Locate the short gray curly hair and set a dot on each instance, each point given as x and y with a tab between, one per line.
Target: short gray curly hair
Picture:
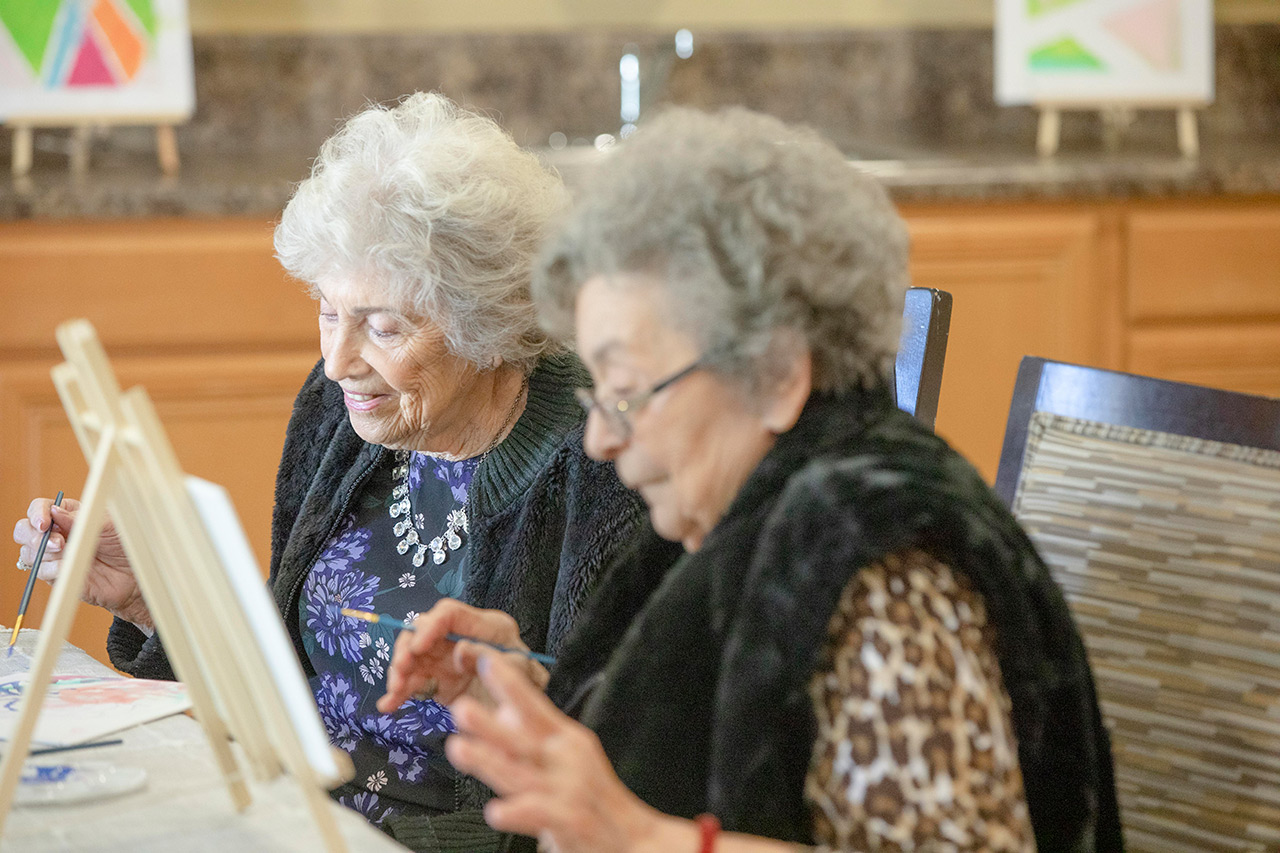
754	227
440	205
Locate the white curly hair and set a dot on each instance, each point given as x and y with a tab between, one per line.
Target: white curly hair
438	204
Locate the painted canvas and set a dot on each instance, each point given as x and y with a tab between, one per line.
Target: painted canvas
109	60
80	708
1104	51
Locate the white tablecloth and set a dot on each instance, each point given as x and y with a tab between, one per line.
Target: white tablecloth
184	806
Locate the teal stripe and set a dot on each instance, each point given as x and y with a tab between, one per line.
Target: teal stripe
72	27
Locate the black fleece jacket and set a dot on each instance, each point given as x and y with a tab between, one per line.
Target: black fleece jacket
545	518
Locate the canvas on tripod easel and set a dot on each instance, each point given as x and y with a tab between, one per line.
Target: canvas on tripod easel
197	574
1116	57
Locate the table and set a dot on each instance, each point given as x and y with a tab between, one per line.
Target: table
184	806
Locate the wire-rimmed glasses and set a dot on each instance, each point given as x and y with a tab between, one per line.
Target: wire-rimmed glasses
617	414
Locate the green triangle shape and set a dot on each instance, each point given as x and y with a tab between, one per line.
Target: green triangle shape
146	14
29	23
1064	55
1035	8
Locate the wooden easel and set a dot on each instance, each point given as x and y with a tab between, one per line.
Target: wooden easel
24	139
1116	117
238	689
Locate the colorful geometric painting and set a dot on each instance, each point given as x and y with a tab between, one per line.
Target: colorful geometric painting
1104	51
95	58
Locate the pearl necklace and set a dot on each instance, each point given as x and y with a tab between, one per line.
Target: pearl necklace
456	523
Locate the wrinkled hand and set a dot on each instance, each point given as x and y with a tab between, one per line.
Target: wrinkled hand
110	583
552	777
425	661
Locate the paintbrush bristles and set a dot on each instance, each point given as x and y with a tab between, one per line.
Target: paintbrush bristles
359	614
13	638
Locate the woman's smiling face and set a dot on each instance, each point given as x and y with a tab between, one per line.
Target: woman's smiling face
402	385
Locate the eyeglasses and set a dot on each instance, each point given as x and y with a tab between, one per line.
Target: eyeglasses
617	414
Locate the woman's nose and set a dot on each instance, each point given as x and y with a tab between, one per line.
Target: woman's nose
341	361
601	441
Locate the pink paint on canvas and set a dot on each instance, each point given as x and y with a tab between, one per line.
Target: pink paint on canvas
90	69
80	708
1152	31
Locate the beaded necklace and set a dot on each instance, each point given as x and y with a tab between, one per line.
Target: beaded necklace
456	523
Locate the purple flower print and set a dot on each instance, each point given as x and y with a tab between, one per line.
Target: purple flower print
337	703
407	764
350	546
368	804
399	735
417	464
458	475
330	586
423	716
381	728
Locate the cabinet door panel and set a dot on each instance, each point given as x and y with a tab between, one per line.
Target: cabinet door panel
150	283
1024	282
1240	357
1204	262
225	415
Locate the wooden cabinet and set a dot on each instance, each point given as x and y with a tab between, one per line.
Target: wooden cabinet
1023	281
1204	294
197	312
1185	290
201	314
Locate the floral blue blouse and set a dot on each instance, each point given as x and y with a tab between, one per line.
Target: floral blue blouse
399	758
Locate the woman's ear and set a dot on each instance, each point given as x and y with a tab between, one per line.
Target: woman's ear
791	375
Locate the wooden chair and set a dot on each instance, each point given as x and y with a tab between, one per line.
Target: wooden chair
917	373
1157	507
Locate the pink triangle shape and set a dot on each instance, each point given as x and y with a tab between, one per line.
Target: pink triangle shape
1151	30
90	69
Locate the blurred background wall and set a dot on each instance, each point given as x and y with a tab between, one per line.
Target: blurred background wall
353	16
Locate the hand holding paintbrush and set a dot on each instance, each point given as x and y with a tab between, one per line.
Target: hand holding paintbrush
31	579
109	584
451	636
438	657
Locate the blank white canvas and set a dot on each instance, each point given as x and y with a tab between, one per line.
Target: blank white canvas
218	514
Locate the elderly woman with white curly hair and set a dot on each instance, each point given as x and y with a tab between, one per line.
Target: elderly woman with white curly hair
435	451
860	649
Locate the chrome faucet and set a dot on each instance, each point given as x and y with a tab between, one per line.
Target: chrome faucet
629	77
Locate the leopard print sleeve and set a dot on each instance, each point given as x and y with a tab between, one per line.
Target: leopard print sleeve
915	749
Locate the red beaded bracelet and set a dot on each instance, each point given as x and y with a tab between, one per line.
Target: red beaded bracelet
709	826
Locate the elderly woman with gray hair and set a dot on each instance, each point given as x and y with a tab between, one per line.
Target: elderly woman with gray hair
434	452
860	649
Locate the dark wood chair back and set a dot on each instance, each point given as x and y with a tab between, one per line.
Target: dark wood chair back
917	372
1156	506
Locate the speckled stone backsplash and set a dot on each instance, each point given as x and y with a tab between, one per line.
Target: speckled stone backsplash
915	106
864	89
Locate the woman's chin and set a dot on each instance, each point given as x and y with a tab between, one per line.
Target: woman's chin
369	429
674	527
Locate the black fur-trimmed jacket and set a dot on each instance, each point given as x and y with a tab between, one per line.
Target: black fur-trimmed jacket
695	678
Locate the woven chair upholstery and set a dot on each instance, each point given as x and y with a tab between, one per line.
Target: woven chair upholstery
1168	549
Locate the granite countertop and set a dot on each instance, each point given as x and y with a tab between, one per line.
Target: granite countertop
122	184
914	106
